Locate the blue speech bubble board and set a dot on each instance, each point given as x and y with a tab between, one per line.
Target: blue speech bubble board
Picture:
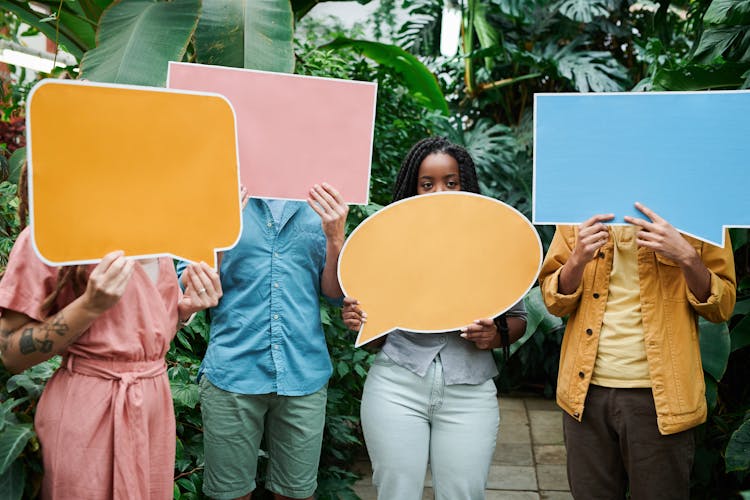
685	155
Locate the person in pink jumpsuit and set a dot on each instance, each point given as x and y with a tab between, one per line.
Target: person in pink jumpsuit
105	419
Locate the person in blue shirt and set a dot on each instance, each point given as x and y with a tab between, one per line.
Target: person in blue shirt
266	369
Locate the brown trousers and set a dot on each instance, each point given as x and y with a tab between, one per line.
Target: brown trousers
617	445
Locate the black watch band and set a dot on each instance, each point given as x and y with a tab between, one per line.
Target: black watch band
501	322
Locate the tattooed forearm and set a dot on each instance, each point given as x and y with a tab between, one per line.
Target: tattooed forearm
42	343
26	344
56	325
4	339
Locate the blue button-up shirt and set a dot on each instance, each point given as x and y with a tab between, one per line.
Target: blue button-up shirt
266	334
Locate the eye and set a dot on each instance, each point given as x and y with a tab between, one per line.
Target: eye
426	186
452	184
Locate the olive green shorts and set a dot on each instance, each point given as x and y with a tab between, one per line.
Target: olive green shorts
233	425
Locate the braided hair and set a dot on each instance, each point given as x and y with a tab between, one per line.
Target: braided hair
406	181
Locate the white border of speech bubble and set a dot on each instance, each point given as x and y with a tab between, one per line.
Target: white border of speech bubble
30	169
445	193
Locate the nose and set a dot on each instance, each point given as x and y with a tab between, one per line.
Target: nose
439	188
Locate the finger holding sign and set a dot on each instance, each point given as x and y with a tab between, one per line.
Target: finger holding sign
202	290
107	282
483	333
661	237
328	203
352	315
244	196
592	235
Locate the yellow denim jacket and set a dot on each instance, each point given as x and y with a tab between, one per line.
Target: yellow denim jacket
670	324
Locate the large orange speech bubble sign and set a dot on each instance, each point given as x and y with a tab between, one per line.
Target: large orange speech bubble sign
144	170
437	262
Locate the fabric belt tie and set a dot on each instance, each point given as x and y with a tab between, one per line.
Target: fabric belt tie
131	461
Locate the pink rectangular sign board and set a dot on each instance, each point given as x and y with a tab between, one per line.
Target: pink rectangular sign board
293	131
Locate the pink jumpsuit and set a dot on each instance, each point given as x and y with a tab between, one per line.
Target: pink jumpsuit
105	419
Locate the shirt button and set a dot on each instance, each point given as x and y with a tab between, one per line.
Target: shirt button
276	285
596	295
276	254
275	347
275	316
581	374
589	331
601	255
576	414
269	224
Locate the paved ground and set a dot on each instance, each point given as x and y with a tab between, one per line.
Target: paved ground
529	461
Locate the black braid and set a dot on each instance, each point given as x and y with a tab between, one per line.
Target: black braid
406	181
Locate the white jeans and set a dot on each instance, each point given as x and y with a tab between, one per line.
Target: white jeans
409	419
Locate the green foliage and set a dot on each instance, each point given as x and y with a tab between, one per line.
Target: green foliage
9	223
133	46
75	37
418	78
20	458
535	356
255	34
715	346
183	360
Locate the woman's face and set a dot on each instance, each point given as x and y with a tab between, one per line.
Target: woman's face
438	172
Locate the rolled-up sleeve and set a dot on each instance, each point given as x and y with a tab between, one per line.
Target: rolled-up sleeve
720	263
558	254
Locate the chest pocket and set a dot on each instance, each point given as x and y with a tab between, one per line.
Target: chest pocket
672	281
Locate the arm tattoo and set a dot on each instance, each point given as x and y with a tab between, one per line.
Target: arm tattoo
4	339
26	344
56	325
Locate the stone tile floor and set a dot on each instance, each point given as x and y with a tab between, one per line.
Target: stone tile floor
529	460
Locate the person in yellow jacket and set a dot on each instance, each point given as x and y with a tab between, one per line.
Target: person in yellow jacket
630	378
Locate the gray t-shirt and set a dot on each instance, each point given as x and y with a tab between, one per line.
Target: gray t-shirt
462	362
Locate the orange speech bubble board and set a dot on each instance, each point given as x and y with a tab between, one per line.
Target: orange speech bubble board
437	262
144	170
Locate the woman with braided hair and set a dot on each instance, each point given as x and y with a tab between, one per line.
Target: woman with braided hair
105	420
432	397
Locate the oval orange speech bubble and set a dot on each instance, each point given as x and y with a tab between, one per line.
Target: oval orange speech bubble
437	262
145	170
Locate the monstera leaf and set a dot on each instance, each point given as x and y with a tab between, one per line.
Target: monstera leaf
582	11
591	71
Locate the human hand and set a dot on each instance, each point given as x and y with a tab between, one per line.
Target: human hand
592	235
330	206
661	237
107	282
244	196
483	332
352	315
202	289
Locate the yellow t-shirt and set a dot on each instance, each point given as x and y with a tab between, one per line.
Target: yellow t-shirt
621	357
